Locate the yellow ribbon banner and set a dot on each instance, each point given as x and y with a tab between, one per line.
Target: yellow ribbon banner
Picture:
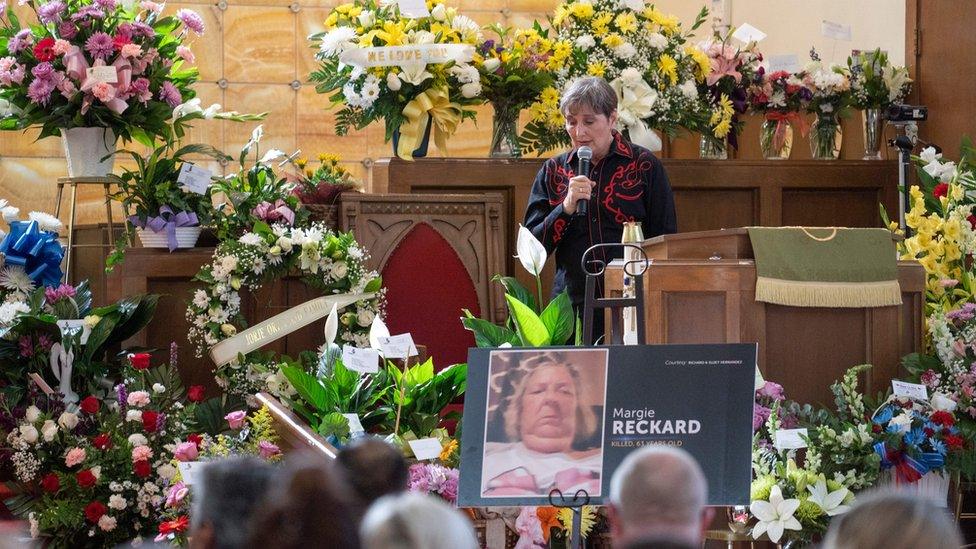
417	54
280	325
432	104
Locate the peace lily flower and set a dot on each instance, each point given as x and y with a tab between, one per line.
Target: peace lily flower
377	330
831	502
332	326
531	252
775	515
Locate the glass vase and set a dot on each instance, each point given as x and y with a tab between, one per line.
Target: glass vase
504	131
826	137
873	120
713	148
776	139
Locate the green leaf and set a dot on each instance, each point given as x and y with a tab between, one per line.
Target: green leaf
515	288
558	318
487	334
310	388
373	285
334	424
528	324
208	417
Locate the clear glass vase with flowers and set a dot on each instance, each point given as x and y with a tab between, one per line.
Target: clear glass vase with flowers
781	97
731	70
830	100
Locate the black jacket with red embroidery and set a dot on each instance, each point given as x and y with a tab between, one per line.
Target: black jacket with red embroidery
631	185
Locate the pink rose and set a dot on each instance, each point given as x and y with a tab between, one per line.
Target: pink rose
74	457
176	494
186	451
236	419
268	450
141	453
138	399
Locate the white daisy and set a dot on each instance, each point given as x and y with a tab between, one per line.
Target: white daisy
15	278
200	299
337	41
251	239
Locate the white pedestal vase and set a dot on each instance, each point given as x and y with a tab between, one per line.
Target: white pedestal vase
86	150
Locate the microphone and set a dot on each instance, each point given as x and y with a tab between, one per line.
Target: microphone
585	154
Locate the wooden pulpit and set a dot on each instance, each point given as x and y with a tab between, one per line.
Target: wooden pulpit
700	288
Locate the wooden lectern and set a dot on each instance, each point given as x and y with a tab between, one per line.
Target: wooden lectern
700	288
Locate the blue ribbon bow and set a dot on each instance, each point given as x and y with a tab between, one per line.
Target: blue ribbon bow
167	220
38	252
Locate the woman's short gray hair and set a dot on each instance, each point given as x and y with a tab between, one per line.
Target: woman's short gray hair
590	91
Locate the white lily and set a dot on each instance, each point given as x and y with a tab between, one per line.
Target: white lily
332	326
775	516
414	73
929	155
377	330
531	252
831	502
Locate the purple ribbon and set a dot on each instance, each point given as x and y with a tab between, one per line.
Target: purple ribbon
167	220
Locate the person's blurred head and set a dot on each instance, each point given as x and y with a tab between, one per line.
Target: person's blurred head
545	410
307	507
225	501
589	106
416	521
890	520
372	468
659	491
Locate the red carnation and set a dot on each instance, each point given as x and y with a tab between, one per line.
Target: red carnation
150	421
195	393
940	190
102	441
50	483
954	442
972	221
139	361
85	478
141	468
943	418
195	439
120	40
928	431
44	50
94	511
90	405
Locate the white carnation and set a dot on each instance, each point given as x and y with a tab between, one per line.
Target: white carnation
585	42
337	41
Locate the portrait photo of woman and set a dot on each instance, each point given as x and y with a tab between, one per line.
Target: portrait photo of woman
544	428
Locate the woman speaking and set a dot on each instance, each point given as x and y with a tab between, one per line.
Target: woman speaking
569	211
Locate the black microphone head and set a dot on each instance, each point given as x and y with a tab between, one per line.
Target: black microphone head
585	153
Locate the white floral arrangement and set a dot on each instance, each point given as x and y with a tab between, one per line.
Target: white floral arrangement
646	57
330	262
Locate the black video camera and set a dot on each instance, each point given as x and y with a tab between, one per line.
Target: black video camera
906	113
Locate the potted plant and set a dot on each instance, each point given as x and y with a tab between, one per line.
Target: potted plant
320	189
167	202
414	99
93	72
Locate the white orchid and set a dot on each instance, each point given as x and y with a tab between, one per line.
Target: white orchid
531	252
830	502
775	516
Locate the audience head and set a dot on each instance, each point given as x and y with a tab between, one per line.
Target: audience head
225	501
306	507
372	468
659	492
893	520
416	521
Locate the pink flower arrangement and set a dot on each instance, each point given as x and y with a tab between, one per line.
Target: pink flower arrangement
432	478
49	65
138	399
236	419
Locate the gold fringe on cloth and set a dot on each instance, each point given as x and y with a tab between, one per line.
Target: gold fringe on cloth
827	294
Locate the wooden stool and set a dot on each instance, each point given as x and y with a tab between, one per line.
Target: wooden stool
730	538
74	182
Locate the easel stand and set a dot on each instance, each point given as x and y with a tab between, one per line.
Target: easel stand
580	498
74	182
635	264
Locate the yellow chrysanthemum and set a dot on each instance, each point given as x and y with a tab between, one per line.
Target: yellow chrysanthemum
668	67
561	13
702	64
669	24
550	95
612	40
626	22
331	20
596	69
582	10
956	192
587	519
601	22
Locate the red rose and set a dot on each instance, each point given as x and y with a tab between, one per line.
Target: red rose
120	40
943	418
940	190
195	439
50	483
85	478
141	468
139	361
954	442
150	421
44	50
102	441
195	393
94	511
90	405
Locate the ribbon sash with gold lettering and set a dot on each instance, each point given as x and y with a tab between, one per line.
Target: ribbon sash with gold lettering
280	325
416	54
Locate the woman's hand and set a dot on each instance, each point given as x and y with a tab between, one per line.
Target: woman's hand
580	188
